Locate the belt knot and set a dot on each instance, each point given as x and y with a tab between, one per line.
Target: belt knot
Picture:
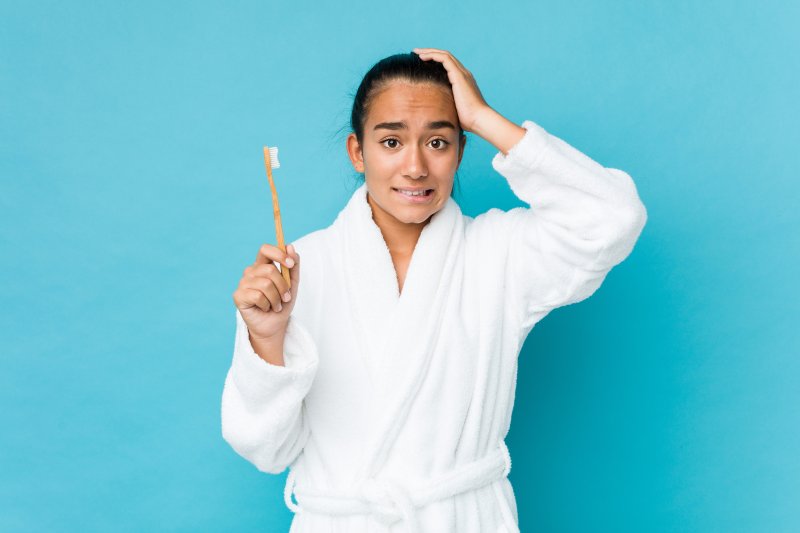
389	501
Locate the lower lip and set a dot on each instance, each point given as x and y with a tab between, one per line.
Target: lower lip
422	199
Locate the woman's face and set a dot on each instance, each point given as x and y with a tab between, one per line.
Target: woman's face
411	142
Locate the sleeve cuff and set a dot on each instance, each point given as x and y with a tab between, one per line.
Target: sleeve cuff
526	154
256	377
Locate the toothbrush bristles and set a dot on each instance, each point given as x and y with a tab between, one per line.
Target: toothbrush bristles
273	157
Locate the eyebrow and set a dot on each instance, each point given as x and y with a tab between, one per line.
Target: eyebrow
435	125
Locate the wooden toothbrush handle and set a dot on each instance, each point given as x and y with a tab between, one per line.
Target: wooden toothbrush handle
276	211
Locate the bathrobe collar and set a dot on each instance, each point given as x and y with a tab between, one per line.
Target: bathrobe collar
397	332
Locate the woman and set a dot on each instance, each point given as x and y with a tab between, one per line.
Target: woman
388	386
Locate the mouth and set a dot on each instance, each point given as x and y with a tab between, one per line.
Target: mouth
414	192
417	196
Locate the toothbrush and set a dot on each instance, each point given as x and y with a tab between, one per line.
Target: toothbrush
271	161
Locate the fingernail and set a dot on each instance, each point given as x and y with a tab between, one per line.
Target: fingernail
287	296
290	262
279	308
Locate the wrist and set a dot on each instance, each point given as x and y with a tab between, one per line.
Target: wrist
498	130
270	349
484	118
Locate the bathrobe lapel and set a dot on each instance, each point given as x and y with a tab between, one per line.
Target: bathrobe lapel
397	333
371	287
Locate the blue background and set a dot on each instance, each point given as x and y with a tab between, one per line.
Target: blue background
133	196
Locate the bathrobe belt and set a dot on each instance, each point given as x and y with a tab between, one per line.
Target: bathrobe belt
389	501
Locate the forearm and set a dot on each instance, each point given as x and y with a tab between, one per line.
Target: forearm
497	130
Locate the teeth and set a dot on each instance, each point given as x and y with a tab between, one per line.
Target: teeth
409	193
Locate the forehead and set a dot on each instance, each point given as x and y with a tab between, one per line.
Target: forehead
402	100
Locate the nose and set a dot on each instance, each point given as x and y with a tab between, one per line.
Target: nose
414	164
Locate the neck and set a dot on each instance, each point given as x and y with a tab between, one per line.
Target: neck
400	237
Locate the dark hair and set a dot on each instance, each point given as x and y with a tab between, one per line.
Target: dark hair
406	67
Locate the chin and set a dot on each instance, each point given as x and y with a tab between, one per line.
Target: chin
417	220
414	215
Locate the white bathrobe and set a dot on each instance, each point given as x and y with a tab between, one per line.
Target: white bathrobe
392	409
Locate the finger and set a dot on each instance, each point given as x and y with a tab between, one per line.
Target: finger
268	253
449	62
428	50
271	273
251	297
444	52
266	285
433	51
435	54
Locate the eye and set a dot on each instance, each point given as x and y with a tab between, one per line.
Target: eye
390	139
442	143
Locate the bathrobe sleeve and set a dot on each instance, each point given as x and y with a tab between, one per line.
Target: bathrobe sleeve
583	220
263	416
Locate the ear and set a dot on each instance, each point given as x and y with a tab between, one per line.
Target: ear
355	153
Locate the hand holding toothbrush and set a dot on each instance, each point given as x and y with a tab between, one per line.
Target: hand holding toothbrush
266	295
263	297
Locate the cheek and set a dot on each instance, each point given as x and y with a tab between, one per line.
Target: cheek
448	161
377	164
447	166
